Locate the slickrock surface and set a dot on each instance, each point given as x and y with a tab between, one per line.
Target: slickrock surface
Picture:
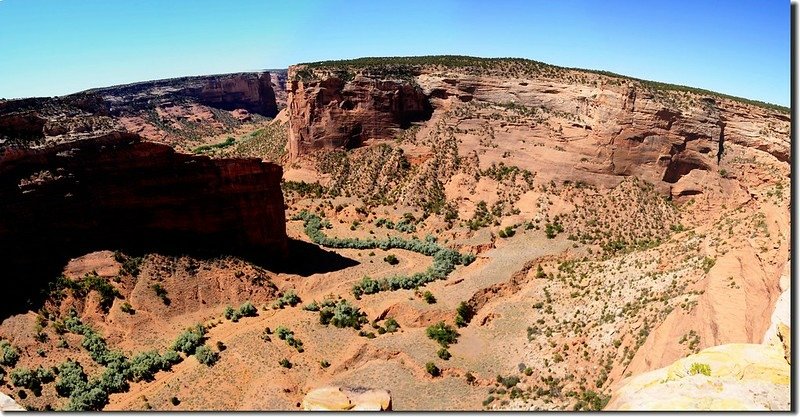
347	398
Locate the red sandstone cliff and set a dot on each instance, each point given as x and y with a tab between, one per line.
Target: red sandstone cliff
335	113
169	111
608	126
119	192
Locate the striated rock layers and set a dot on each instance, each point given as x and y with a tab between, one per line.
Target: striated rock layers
602	126
170	111
119	192
335	113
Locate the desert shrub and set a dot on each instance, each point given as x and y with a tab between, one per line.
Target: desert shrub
126	307
343	314
464	314
188	341
130	264
470	378
288	298
145	365
391	259
31	379
8	354
161	292
592	401
206	356
508	381
442	333
700	368
248	310
115	377
71	378
285	363
444	259
231	314
553	229
221	345
92	398
391	325
175	401
432	369
443	354
324	364
428	297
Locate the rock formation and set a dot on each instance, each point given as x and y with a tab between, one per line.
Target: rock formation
8	404
347	398
338	113
731	377
117	191
170	111
613	126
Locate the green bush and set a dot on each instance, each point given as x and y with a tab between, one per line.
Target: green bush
391	260
231	314
509	381
31	379
71	378
391	325
206	356
8	354
432	369
444	259
324	364
342	314
700	368
464	314
428	297
126	307
188	341
442	333
285	363
145	365
288	298
161	292
248	310
443	354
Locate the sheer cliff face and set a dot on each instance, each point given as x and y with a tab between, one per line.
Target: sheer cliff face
169	111
119	192
607	127
334	113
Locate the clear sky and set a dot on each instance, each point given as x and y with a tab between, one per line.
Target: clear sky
55	47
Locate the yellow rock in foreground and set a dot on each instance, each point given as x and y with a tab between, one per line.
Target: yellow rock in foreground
347	398
735	376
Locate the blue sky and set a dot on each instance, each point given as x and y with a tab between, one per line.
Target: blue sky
54	47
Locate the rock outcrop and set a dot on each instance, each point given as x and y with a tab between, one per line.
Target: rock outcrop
119	192
607	126
169	111
337	113
8	404
347	398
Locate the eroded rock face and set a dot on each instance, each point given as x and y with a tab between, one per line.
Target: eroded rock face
727	377
608	127
334	113
168	110
117	191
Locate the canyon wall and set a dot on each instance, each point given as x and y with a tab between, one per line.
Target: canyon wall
609	126
337	113
174	111
117	191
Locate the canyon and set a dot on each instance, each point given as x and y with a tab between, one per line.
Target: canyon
589	233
